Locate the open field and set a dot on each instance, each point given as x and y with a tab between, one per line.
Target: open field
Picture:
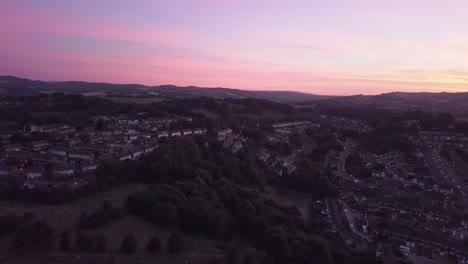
65	216
136	100
94	94
290	198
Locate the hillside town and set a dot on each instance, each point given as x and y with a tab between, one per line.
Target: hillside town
400	204
66	156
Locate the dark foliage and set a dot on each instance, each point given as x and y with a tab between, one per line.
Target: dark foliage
65	241
175	243
154	244
36	234
129	244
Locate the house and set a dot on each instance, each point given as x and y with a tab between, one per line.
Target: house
44	158
9	171
65	170
51	128
13	147
40	145
128	121
145	135
224	134
5	137
72	142
19	156
446	189
61	152
137	152
125	156
89	167
95	139
199	131
149	148
96	148
132	137
162	134
81	155
187	132
35	173
4	171
176	133
107	134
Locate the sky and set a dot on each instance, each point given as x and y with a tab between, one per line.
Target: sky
334	47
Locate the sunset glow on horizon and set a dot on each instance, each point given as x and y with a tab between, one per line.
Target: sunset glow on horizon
316	46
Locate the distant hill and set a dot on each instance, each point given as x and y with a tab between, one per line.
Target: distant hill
456	103
19	86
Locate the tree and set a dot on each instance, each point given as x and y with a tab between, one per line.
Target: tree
85	241
35	234
444	120
169	214
64	241
101	244
154	244
106	206
83	221
175	243
129	244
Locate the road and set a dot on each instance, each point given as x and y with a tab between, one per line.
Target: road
348	148
352	221
348	236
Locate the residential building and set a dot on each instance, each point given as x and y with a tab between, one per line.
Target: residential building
96	139
96	148
128	121
199	131
176	133
187	132
12	147
35	173
72	142
137	152
4	171
19	156
125	156
89	167
44	158
149	148
40	145
224	134
61	152
65	170
162	134
85	155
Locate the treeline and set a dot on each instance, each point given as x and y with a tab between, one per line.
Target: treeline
309	177
356	166
188	158
27	232
202	188
99	218
222	209
77	109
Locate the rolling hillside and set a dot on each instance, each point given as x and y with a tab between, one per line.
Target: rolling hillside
19	86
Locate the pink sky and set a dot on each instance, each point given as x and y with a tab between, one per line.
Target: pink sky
316	46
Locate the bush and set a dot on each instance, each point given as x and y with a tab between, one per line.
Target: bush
36	234
101	242
154	244
129	244
64	241
175	243
85	241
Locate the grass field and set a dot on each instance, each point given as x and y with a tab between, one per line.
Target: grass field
100	94
136	100
65	216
